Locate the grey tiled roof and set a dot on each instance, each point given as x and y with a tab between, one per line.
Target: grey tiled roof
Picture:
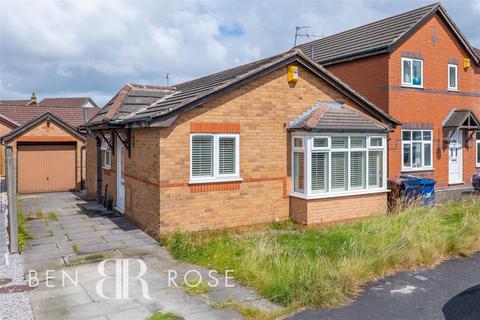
376	37
457	119
195	89
330	116
136	106
137	98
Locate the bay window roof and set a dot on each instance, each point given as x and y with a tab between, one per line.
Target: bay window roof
332	116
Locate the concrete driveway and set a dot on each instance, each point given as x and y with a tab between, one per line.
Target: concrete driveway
411	296
71	235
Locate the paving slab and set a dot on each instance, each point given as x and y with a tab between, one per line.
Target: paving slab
100	235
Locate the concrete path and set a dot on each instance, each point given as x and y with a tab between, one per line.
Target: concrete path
72	235
405	296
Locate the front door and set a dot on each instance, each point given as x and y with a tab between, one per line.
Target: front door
120	179
455	165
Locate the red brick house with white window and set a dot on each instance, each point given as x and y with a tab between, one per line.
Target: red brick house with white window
420	69
274	138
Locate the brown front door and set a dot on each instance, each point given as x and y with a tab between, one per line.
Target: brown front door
45	167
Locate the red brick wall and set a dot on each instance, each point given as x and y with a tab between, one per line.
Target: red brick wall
369	76
329	210
429	105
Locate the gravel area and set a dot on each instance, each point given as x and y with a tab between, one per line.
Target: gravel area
14	305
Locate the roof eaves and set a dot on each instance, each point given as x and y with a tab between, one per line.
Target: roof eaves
443	13
32	123
349	92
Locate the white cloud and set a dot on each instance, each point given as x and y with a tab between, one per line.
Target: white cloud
67	47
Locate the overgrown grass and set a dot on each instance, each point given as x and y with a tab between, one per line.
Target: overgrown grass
326	267
247	312
23	234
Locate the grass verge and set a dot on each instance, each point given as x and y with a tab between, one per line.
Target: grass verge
326	267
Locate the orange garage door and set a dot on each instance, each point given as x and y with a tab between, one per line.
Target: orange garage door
46	167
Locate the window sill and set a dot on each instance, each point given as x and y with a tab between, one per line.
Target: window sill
453	90
338	194
106	168
220	180
406	86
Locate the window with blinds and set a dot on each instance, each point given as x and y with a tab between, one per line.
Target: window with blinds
226	157
357	169
375	168
338	164
319	171
214	157
339	170
202	156
299	171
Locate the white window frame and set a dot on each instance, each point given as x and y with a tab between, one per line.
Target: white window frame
410	84
217	177
478	149
423	142
106	149
308	149
450	65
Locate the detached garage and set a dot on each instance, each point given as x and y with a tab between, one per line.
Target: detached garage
50	155
46	167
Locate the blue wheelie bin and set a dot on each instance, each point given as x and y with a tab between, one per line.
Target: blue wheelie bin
419	188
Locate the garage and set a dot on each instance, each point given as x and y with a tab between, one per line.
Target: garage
44	167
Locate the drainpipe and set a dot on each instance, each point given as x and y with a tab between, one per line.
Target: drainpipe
82	178
99	170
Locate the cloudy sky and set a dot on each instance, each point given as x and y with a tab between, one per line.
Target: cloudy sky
91	48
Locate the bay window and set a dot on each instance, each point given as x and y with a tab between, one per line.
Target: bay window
214	157
417	151
412	72
337	164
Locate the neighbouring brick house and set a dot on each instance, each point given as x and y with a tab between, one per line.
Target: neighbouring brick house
48	146
240	147
420	69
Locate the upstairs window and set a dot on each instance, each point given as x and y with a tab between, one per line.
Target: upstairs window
452	77
412	72
214	157
417	149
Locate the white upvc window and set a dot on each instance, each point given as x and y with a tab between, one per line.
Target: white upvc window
412	72
417	150
452	77
107	154
214	157
337	164
478	148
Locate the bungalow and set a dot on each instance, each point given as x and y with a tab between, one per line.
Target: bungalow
48	146
276	138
